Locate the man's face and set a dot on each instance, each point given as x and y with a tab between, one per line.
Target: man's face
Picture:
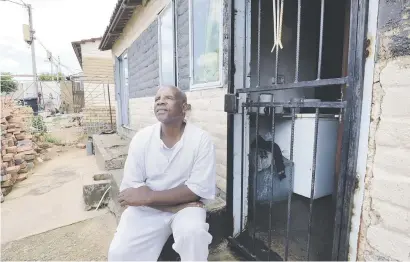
169	106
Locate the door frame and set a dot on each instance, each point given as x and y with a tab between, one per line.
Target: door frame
239	67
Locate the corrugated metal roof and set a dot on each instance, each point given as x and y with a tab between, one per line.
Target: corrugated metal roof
119	19
77	47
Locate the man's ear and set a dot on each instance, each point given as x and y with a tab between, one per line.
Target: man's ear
186	107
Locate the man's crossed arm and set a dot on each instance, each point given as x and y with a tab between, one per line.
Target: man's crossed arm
171	200
201	180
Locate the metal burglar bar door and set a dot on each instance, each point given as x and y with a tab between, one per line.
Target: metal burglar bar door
257	231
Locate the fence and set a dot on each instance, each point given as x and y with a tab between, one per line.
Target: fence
88	102
99	105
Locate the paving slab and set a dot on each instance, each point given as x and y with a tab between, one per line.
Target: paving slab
49	198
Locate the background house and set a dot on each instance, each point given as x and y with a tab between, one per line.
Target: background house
95	85
336	49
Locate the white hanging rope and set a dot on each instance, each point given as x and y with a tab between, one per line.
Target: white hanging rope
277	23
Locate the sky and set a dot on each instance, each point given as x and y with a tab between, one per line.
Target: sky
57	23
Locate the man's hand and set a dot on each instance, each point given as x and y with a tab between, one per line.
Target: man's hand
135	196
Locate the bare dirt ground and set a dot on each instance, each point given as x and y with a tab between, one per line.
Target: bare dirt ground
43	218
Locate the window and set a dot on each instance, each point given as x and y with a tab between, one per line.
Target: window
166	46
124	69
206	43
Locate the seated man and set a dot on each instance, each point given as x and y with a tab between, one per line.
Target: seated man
168	174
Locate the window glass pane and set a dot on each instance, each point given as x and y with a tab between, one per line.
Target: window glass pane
125	69
206	21
167	47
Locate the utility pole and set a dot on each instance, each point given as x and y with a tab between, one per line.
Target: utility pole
33	50
59	69
50	59
30	40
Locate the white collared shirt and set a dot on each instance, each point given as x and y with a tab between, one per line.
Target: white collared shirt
191	161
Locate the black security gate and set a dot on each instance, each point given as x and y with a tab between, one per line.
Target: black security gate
288	210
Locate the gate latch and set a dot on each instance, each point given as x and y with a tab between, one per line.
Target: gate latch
231	104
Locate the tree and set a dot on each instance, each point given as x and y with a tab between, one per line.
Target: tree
8	84
49	77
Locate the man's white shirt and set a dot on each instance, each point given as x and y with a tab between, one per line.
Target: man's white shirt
191	161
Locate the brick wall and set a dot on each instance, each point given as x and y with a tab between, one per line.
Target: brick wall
143	65
385	225
96	69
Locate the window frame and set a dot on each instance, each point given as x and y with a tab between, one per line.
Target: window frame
122	87
206	85
170	6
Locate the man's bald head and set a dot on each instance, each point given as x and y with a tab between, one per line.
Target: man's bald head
170	104
179	94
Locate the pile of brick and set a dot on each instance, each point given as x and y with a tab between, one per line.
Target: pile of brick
18	151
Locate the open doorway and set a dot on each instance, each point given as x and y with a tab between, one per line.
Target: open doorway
292	116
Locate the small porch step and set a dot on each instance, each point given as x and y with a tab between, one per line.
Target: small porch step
110	150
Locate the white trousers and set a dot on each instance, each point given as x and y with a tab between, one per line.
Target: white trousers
143	231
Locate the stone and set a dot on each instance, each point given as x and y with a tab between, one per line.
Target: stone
29	157
20	136
7	183
3	120
25	142
17	132
15	120
12	170
3	127
11	125
39	160
18	156
18	161
4	165
8	157
6	113
11	149
46	157
30	165
80	145
6	177
29	152
22	176
3	152
9	135
28	137
44	145
24	148
6	190
11	130
10	142
23	164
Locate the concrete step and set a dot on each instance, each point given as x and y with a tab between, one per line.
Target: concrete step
96	188
110	151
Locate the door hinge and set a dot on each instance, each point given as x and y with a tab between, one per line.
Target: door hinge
367	43
231	104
